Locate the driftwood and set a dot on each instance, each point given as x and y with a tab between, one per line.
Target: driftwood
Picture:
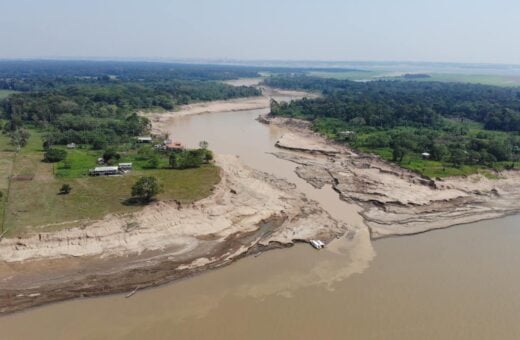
131	293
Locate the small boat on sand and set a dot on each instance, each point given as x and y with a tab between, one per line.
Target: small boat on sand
317	244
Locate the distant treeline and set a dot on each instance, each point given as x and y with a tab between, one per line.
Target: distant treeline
45	74
32	75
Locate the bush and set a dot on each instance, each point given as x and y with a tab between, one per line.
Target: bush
111	155
187	159
145	152
146	188
55	155
65	189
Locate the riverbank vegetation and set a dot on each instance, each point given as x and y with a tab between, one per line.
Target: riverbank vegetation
437	129
58	120
31	187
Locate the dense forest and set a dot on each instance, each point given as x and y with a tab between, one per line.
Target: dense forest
456	124
45	74
96	103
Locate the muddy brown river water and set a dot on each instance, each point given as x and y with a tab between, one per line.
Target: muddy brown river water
459	283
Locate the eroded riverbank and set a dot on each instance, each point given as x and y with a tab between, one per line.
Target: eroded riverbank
395	201
250	211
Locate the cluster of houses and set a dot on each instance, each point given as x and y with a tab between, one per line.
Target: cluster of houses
167	145
122	168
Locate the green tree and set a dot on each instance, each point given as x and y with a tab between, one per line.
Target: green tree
53	155
99	142
439	152
146	188
19	138
208	156
111	155
398	153
458	157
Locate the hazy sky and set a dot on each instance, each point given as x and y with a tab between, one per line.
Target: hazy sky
405	30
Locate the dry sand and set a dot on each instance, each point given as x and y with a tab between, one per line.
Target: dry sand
160	120
249	211
396	201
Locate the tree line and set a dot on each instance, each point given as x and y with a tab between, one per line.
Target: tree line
454	123
103	113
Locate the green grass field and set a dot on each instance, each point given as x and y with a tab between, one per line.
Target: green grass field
79	161
485	79
37	202
347	75
435	169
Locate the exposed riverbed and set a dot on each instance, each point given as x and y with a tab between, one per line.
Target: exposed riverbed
458	283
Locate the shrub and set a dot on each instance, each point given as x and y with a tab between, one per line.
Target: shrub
55	155
65	189
187	159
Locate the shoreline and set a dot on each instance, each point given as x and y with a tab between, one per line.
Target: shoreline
249	212
160	119
395	201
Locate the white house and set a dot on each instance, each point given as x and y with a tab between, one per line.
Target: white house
104	171
144	139
125	166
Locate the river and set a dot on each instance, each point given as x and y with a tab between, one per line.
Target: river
460	283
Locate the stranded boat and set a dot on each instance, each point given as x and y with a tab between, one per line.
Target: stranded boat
317	244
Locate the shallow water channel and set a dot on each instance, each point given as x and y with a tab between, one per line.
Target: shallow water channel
459	283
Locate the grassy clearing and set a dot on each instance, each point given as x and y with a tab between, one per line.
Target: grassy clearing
6	93
413	160
7	155
79	161
436	169
36	202
352	75
484	79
